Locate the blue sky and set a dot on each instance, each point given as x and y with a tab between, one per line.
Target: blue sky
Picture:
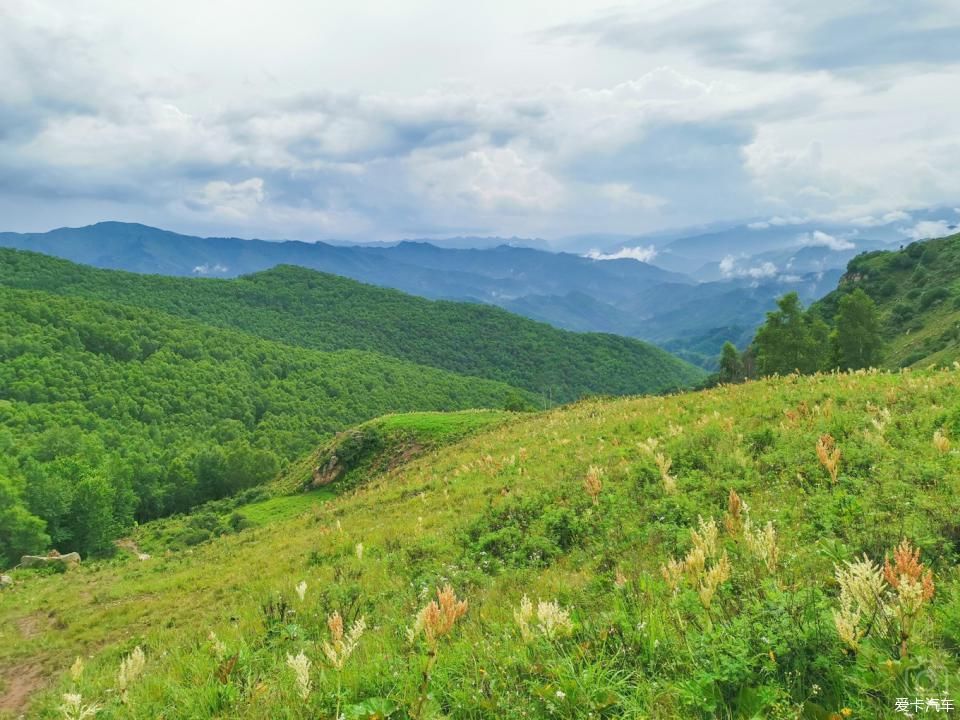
373	120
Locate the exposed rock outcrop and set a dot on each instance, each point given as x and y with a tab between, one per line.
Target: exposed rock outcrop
34	561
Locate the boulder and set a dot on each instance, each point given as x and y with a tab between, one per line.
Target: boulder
33	561
5	581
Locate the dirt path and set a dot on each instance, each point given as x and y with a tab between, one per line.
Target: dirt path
20	682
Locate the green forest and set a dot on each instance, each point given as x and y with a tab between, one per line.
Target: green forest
326	312
112	414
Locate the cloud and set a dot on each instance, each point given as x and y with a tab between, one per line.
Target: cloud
207	269
755	112
778	35
231	201
640	253
818	238
929	229
775	221
884	219
729	269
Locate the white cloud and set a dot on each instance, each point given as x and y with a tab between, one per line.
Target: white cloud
207	269
730	269
764	270
643	254
231	201
928	229
885	219
730	115
818	238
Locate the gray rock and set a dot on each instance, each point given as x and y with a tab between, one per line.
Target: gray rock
33	561
6	581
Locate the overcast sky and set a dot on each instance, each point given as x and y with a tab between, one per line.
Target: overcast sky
376	120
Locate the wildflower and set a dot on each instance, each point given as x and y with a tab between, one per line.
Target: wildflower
300	664
219	647
762	544
664	464
649	445
552	620
593	483
706	537
74	709
695	562
941	442
913	584
829	455
673	573
736	508
712	579
342	645
908	570
847	622
301	589
523	615
438	617
861	597
131	667
76	670
359	551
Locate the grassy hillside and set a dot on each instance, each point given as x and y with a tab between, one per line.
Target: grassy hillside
674	598
326	312
917	291
110	413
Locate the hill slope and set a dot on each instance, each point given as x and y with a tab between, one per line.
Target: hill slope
917	290
149	414
326	312
576	505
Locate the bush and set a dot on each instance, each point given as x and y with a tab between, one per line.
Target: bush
932	296
524	533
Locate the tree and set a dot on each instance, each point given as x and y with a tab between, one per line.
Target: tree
856	338
731	366
789	340
21	533
92	516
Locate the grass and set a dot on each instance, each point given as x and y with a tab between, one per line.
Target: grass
504	513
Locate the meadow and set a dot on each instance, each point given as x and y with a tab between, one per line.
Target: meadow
785	548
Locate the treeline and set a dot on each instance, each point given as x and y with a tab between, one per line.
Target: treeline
326	312
797	340
891	309
111	414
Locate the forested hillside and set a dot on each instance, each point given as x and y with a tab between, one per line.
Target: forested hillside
890	309
327	312
110	414
917	294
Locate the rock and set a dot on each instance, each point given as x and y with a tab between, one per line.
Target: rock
6	581
33	561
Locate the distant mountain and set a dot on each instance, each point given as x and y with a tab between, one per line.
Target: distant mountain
302	307
493	275
694	287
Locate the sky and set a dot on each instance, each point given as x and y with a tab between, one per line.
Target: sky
313	120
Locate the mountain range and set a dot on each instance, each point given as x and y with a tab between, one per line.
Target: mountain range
685	292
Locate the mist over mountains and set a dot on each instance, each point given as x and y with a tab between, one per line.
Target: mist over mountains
686	292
